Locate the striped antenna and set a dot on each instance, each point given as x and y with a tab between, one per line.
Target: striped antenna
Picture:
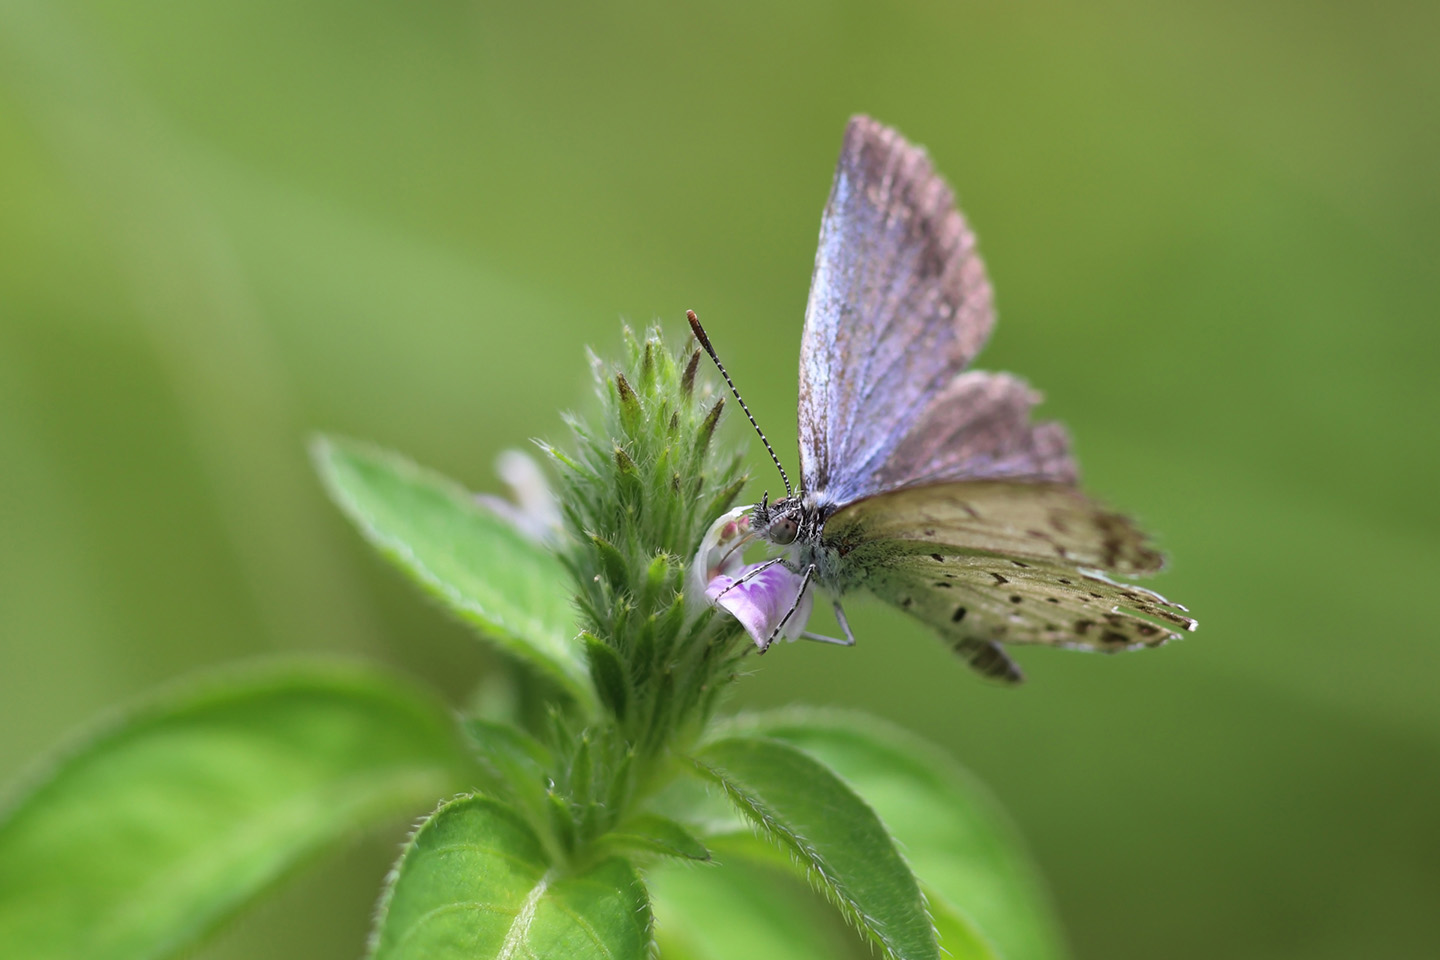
699	332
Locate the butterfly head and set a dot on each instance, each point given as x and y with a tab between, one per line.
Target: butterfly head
785	521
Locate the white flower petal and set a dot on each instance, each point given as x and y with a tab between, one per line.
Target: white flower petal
721	552
535	512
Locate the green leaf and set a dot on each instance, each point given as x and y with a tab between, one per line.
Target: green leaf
475	883
512	765
484	569
609	675
168	820
656	834
802	806
958	935
741	911
959	938
969	857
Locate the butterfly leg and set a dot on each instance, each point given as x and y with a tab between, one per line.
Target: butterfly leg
849	639
747	578
821	638
799	595
844	624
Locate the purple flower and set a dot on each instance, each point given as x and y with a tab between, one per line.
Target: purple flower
760	598
759	595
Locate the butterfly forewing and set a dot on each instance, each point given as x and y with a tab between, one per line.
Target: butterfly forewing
1042	522
899	304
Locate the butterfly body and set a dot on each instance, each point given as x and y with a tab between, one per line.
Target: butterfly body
927	483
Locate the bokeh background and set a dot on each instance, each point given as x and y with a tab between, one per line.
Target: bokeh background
1214	229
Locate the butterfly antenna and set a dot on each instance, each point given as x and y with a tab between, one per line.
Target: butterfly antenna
699	332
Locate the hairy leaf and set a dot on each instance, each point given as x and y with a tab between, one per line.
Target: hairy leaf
169	819
959	938
483	568
659	835
740	911
475	884
512	765
801	805
967	855
958	935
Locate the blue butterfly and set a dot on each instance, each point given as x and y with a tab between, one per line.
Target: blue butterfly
924	482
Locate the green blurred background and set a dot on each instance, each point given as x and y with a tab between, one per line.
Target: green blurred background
1213	227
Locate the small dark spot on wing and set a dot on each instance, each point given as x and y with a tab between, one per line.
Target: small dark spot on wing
1015	598
998	578
958	615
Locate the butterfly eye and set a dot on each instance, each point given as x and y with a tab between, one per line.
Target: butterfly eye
783	531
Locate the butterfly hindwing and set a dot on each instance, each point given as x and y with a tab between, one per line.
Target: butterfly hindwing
975	601
899	304
1039	522
978	428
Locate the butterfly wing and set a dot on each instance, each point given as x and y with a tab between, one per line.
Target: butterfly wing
1041	522
978	428
899	304
976	602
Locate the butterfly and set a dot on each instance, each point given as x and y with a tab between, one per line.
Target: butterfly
922	481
